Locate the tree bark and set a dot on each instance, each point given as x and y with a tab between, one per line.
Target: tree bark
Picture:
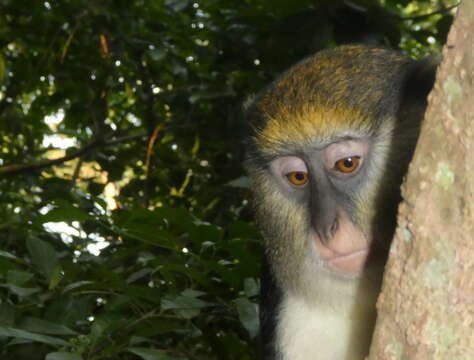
426	308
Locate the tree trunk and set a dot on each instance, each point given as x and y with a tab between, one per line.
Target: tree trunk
426	308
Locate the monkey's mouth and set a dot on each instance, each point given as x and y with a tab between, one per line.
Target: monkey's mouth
350	264
346	252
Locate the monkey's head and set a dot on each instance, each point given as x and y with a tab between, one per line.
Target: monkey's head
331	140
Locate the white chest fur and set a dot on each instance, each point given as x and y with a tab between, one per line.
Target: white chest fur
341	330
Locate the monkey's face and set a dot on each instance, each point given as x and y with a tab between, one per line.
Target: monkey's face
326	182
326	206
329	150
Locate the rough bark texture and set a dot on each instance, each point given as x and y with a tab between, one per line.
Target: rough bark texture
426	309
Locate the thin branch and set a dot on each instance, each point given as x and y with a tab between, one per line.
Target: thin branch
22	168
394	14
153	126
440	11
77	171
124	139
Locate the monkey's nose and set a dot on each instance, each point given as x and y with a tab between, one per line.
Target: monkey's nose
327	229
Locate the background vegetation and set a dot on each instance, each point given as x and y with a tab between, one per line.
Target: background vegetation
125	225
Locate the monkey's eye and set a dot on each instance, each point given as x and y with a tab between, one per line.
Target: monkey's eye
297	178
347	165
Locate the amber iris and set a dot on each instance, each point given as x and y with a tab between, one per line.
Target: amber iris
298	178
347	165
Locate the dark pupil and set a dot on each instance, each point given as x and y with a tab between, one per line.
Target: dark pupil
299	176
348	163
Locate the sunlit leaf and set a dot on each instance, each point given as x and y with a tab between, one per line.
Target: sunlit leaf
64	211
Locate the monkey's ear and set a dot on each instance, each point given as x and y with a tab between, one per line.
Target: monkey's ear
420	79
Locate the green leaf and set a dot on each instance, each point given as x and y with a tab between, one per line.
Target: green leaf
251	287
248	315
45	327
107	323
26	335
8	255
63	356
193	293
55	277
44	257
177	5
150	354
18	277
186	305
21	291
157	54
76	285
241	182
70	310
207	232
64	211
7	314
137	275
243	230
200	96
147	235
183	302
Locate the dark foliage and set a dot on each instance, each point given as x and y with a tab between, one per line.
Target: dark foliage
125	225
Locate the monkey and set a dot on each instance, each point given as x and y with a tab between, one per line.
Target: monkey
329	143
